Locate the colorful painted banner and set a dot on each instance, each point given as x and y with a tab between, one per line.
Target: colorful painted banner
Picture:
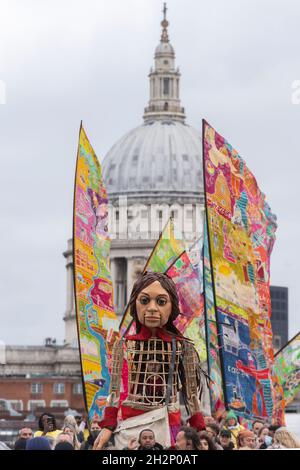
96	320
241	234
165	252
191	302
287	369
212	341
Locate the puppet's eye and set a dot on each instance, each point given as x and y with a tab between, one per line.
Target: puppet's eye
161	301
144	300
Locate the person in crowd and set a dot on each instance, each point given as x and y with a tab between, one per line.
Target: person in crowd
48	428
208	419
65	437
272	429
20	444
82	423
38	443
64	446
256	426
93	434
71	420
25	433
284	439
145	441
187	439
246	440
206	443
231	423
264	439
225	439
71	430
212	431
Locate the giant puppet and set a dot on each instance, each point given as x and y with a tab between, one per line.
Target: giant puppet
160	360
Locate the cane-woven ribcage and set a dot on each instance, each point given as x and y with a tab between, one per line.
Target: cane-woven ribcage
148	368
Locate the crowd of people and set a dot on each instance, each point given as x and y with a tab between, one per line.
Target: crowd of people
226	434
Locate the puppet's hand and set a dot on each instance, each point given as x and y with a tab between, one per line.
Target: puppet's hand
102	439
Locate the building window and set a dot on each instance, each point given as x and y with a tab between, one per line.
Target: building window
59	388
33	404
166	86
17	405
277	342
77	389
59	403
36	388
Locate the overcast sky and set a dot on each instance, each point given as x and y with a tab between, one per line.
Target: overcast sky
67	60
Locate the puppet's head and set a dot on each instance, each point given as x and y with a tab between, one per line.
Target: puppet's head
154	302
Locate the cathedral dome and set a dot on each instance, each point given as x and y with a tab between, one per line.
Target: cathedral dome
160	156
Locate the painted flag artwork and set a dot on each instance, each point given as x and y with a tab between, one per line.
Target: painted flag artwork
97	322
213	351
191	302
241	234
165	252
287	369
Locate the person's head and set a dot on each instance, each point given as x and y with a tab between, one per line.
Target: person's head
231	419
20	443
147	439
70	420
78	419
225	437
95	426
154	302
247	439
25	433
38	443
63	446
272	429
64	437
206	442
47	422
187	439
69	429
209	420
212	430
286	438
263	432
256	426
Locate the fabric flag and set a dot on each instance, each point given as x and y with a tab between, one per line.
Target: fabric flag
97	322
212	341
241	234
287	369
191	302
166	250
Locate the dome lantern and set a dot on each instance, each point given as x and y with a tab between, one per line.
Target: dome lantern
164	81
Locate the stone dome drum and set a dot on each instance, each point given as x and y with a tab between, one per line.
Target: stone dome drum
160	156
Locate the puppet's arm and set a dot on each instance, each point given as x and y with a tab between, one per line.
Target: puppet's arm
109	420
191	364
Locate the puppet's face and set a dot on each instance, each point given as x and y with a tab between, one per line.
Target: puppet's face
153	306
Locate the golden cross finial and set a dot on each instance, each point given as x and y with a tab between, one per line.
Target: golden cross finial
165	24
165	11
